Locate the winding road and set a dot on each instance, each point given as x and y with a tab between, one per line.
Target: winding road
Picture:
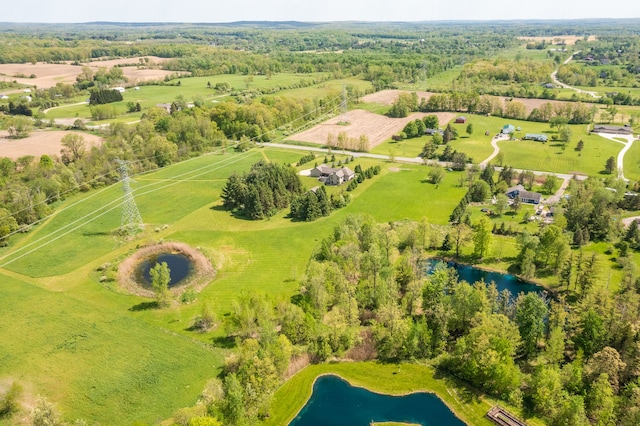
627	146
554	77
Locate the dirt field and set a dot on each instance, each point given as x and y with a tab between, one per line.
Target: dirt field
569	40
377	128
39	143
48	75
387	97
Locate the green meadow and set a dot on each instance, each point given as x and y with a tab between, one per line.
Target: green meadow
101	354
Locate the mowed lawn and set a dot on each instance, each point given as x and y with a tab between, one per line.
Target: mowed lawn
632	162
130	363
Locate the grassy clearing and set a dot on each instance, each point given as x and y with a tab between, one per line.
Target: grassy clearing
385	378
132	363
632	162
193	87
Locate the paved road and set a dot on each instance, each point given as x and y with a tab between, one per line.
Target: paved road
496	149
627	146
554	77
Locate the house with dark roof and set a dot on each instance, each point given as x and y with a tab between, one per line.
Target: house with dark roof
431	132
332	176
616	130
525	196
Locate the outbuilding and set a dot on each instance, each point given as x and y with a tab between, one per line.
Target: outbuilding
461	120
507	129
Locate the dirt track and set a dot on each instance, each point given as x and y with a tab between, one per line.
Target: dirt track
39	143
378	128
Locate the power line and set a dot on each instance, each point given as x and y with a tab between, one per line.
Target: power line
131	221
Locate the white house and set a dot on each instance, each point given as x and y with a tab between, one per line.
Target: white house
119	89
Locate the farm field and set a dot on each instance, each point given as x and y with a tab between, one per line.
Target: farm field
48	75
193	87
39	143
95	319
377	128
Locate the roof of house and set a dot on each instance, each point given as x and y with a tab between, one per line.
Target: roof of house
518	188
611	129
536	136
528	195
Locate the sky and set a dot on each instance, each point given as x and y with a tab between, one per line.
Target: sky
63	11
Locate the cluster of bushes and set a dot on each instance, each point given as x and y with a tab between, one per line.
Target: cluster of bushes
362	175
19	109
265	190
317	203
104	96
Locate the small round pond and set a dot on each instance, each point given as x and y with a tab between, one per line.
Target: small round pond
180	266
471	275
335	402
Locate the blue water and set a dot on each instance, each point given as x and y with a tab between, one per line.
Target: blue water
179	268
503	281
335	402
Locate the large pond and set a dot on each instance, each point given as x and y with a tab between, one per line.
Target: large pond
503	281
335	402
180	266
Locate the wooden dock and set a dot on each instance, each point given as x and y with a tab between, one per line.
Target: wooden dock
502	417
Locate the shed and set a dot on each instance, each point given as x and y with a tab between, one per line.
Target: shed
507	129
461	120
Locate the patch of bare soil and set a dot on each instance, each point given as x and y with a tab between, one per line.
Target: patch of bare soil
377	128
569	40
388	97
39	143
48	75
204	271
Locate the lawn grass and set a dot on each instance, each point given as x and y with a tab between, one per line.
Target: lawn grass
632	162
392	379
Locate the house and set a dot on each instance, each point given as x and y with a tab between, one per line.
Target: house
431	132
507	129
4	97
166	107
461	120
548	86
616	130
119	89
536	137
331	176
525	196
27	90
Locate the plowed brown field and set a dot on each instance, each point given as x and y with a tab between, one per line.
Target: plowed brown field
378	128
39	143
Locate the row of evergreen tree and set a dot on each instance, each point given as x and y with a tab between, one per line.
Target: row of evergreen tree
104	96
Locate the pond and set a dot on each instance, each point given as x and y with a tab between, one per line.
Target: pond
503	281
335	402
180	266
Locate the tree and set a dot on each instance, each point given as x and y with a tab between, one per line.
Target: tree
469	129
18	127
502	203
482	237
550	184
10	401
580	145
610	165
480	191
516	204
74	147
45	414
600	402
431	121
461	235
160	278
436	174
531	313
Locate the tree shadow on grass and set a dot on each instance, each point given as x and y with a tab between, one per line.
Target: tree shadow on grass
467	393
144	306
225	342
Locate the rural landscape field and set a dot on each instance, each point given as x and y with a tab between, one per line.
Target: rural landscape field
198	221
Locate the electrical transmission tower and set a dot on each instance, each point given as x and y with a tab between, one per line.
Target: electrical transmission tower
131	220
344	107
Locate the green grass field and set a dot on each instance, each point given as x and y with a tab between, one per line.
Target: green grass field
131	363
192	87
